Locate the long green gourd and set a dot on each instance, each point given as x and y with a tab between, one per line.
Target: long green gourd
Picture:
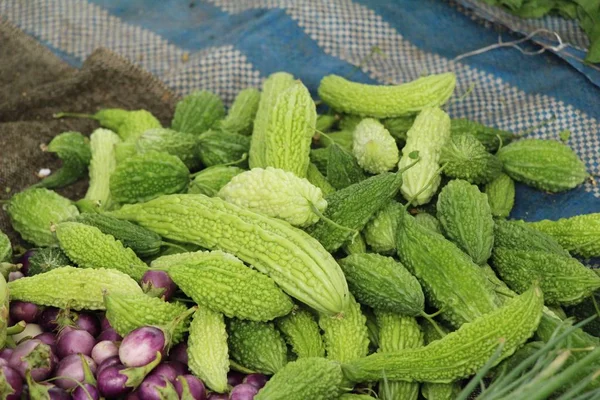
436	263
34	211
272	87
207	350
342	167
197	112
73	149
102	165
210	180
320	158
314	176
544	164
223	283
302	333
242	112
257	346
427	136
88	247
517	235
386	101
352	207
429	221
579	234
289	131
222	147
179	144
307	378
380	231
501	195
374	148
383	283
465	215
294	260
276	193
127	312
346	338
74	288
396	333
437	391
460	353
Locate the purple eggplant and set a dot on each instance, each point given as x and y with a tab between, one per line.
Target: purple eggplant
88	322
179	353
103	350
72	369
109	362
24	311
159	284
57	393
5	353
109	334
24	260
104	323
191	386
87	391
47	337
256	380
48	319
234	378
170	370
11	380
117	380
33	355
218	396
3	362
156	387
243	392
45	390
73	342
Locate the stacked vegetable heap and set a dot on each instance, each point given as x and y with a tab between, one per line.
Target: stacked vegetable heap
304	257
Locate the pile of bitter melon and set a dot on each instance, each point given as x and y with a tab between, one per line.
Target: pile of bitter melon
363	252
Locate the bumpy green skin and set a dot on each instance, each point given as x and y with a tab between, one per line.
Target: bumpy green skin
346	338
308	378
147	176
222	282
501	195
544	164
74	288
564	280
210	180
111	118
182	145
343	139
355	246
326	121
103	146
383	283
353	207
386	101
136	123
276	193
74	151
314	176
517	235
342	168
374	148
349	122
242	112
142	241
399	126
372	327
579	234
460	353
197	112
427	136
437	391
488	136
464	157
320	158
302	333
289	132
294	260
221	147
88	247
46	259
352	396
32	213
380	231
450	279
127	312
272	87
257	346
4	310
465	215
208	353
5	248
429	221
397	332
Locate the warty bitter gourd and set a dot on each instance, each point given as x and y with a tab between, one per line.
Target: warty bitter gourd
197	112
579	234
488	136
223	147
380	231
240	117
464	157
342	168
276	193
302	333
179	144
460	353
294	260
210	180
501	195
374	148
386	101
103	146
